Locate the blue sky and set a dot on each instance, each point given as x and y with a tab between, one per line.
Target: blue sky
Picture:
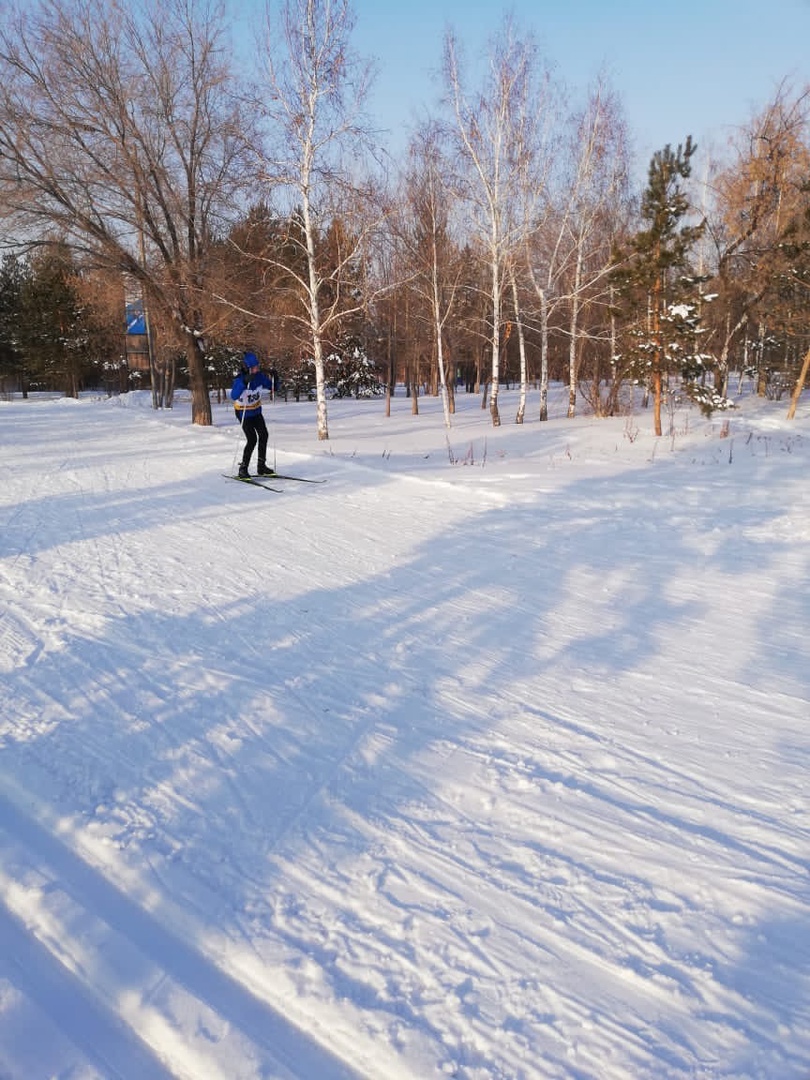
697	68
700	68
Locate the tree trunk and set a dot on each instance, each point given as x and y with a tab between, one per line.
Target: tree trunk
762	375
200	398
496	343
656	363
524	376
797	389
656	381
572	344
543	356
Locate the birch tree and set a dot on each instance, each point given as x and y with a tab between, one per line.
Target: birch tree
517	308
316	88
545	264
598	184
120	135
496	134
431	254
568	254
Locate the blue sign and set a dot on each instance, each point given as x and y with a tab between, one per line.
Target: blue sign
136	320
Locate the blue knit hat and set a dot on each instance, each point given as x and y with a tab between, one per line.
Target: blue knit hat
250	360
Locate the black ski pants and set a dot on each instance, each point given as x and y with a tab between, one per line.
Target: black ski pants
255	430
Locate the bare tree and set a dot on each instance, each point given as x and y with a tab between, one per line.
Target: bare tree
598	184
119	134
568	253
315	95
755	201
431	253
545	263
497	137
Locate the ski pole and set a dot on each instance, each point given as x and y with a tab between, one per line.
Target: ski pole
273	425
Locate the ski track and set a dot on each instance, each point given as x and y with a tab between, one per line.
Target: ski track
246	838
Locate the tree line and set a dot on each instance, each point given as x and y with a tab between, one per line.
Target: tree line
260	210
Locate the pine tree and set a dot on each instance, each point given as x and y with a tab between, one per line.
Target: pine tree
653	274
62	339
13	275
50	311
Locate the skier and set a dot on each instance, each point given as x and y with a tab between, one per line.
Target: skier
246	393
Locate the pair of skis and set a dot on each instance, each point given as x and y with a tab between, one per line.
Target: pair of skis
266	481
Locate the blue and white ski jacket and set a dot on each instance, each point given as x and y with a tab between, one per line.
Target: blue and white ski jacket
247	393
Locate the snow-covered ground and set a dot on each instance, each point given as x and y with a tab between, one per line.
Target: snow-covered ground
492	767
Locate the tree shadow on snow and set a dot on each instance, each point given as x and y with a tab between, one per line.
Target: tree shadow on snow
276	766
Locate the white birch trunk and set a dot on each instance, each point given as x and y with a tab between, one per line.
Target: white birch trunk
521	412
543	355
496	339
573	330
